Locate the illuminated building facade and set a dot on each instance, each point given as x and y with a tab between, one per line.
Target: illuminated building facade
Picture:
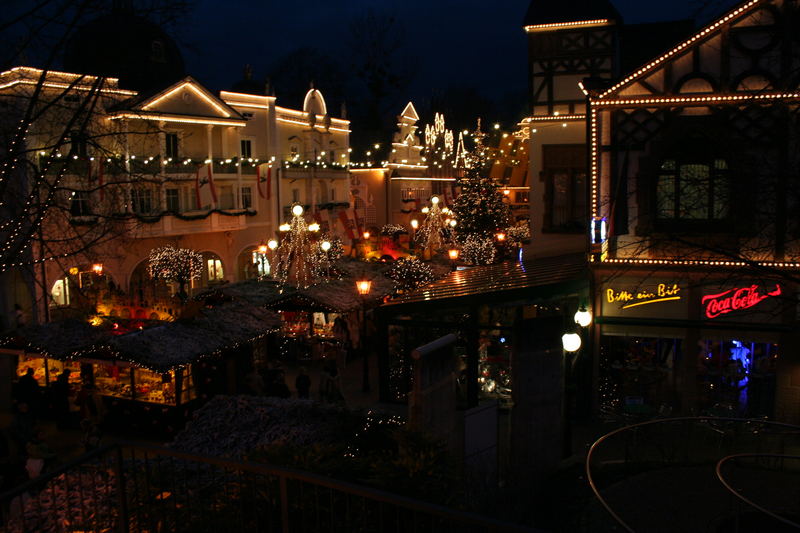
679	167
693	179
177	166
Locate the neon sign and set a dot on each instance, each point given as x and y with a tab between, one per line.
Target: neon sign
736	300
664	292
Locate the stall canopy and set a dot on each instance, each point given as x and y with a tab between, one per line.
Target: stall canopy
159	347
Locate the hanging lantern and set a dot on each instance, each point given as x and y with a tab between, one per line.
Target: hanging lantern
363	286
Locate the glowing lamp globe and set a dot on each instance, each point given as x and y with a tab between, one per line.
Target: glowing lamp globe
262	248
97	268
453	254
363	286
366	235
571	342
272	244
325	245
583	317
284	227
435	200
452	223
500	236
506	192
414	223
297	210
313	227
425	210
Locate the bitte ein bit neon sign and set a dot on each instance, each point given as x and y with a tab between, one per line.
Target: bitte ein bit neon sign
664	292
736	300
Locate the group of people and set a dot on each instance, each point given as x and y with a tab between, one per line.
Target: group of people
273	383
23	445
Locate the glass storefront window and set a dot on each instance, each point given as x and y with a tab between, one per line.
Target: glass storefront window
155	387
112	380
37	363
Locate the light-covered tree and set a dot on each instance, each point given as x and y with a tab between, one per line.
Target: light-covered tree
178	265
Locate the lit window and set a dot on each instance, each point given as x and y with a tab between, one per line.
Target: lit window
214	267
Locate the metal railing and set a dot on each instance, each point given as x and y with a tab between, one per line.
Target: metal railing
788	500
659	475
135	487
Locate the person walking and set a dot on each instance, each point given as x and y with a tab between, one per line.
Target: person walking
27	391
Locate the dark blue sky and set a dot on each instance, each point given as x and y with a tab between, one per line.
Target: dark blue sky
469	42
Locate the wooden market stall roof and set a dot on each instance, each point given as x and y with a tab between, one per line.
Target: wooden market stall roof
505	281
160	347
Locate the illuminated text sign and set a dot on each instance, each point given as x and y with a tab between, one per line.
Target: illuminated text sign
663	292
736	300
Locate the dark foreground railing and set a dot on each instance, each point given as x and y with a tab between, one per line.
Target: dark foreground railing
667	475
142	488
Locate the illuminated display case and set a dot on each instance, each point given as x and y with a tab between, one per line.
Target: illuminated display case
112	380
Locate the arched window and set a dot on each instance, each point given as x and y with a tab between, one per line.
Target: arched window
693	189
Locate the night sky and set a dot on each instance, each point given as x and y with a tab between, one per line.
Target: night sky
447	42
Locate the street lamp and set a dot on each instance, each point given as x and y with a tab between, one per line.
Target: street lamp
571	342
453	254
363	287
583	317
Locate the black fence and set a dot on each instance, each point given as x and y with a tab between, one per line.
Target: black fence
141	488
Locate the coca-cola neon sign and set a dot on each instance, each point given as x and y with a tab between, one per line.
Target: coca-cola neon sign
736	300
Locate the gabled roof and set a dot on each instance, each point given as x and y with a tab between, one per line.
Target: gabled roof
410	112
562	11
198	101
711	30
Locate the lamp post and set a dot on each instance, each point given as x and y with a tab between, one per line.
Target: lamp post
453	253
414	225
363	287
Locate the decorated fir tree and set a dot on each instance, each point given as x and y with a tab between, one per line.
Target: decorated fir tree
480	208
178	265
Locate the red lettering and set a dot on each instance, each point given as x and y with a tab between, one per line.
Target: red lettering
736	300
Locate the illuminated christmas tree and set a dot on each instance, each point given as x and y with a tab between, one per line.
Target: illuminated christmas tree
434	232
298	256
178	265
480	208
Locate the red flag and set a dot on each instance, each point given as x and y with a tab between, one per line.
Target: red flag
269	182
258	181
211	182
347	223
100	183
197	189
